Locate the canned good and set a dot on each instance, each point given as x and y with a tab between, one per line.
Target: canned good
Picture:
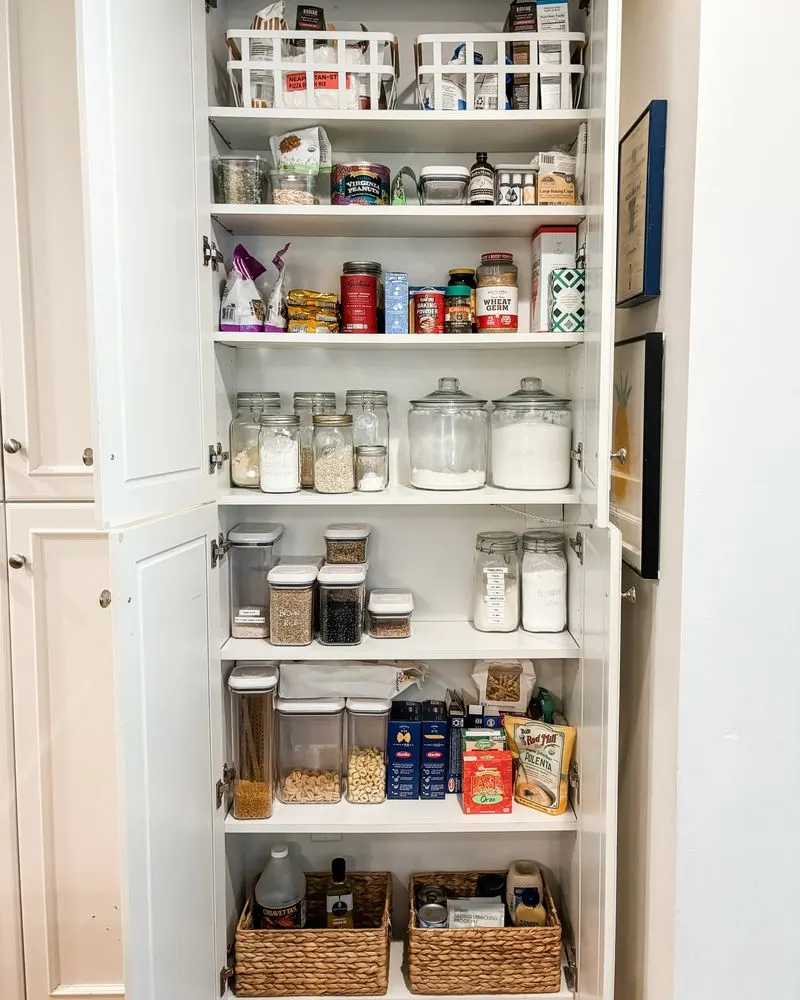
432	915
431	893
429	310
359	183
412	291
458	309
361	296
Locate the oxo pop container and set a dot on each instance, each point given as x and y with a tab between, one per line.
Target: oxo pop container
252	691
389	614
444	185
367	724
253	553
347	543
310	742
341	604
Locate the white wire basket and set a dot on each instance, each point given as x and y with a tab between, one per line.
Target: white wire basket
554	81
326	70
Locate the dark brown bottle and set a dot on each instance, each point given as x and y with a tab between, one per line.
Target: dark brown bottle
481	181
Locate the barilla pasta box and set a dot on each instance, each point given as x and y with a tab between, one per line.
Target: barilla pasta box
435	751
487	783
403	749
455	722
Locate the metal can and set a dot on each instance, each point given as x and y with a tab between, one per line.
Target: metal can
431	893
429	310
432	915
361	296
359	183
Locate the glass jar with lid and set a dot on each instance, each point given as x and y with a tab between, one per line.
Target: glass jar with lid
334	455
466	276
369	409
253	553
306	404
498	293
310	749
496	582
341	604
252	690
531	439
367	724
279	453
448	433
244	435
544	582
372	468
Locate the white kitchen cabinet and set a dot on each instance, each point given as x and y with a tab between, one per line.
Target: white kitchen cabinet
165	382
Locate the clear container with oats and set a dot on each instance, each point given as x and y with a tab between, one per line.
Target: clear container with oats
310	749
250	407
334	455
389	614
306	404
253	553
367	724
293	189
252	691
291	604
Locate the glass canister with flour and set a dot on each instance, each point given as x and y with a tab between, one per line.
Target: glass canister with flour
544	582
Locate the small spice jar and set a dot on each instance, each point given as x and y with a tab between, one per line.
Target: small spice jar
466	276
245	427
291	604
253	553
367	723
509	186
496	582
279	453
334	455
497	297
306	404
341	604
310	739
389	614
457	309
346	543
252	690
372	468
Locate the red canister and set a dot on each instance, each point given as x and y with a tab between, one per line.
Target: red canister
429	310
361	297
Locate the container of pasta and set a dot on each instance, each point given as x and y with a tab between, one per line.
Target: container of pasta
543	755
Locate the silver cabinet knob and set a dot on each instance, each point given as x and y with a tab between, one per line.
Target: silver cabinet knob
105	598
629	595
11	446
620	456
88	456
16	562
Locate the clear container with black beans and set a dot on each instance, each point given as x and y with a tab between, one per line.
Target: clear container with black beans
346	543
291	604
241	180
341	604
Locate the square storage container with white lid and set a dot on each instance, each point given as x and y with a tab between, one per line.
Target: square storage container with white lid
444	185
255	533
252	687
287	574
344	575
347	543
291	604
367	726
310	749
389	614
253	553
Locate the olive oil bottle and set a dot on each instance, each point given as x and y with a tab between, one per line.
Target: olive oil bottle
339	896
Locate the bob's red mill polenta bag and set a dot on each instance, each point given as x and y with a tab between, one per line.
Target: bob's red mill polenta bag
542	755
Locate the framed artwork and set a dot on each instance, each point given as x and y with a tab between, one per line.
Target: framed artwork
636	482
641	207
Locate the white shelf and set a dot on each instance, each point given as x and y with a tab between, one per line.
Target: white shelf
419	221
428	641
396	495
399	816
399	131
403	342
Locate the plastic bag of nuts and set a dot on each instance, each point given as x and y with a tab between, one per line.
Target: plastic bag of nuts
506	685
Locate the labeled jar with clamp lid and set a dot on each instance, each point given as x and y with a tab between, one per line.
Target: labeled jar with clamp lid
496	582
245	427
253	553
252	691
279	453
544	582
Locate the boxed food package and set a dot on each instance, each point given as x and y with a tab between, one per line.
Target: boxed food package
403	749
552	247
487	782
455	721
552	15
433	751
395	296
567	299
521	17
483	739
555	182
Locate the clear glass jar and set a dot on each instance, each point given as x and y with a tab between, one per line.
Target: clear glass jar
369	409
544	582
252	691
448	433
310	743
244	435
496	582
306	404
389	614
253	553
341	604
497	298
291	604
531	439
367	725
372	468
347	543
334	455
279	453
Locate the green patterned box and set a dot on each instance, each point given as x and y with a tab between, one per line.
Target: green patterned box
567	300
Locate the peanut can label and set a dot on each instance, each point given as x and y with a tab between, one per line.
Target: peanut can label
497	307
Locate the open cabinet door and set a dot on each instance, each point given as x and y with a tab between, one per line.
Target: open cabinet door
141	158
172	832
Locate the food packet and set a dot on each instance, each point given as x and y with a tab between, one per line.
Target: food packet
277	315
555	184
242	308
543	756
306	151
506	685
262	83
349	678
454	87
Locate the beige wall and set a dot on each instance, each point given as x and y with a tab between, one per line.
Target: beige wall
660	49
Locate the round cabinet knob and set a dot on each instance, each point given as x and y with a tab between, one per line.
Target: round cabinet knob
620	456
16	562
88	456
105	598
11	446
629	595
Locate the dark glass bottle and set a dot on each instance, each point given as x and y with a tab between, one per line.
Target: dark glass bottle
481	181
339	896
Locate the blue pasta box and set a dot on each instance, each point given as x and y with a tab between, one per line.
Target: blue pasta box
395	301
403	750
435	751
455	721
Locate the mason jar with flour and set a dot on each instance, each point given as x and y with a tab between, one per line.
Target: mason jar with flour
544	582
495	589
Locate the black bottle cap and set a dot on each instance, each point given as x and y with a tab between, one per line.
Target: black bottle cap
338	869
530	897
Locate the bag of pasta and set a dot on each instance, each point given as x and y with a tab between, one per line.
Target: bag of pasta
543	755
505	685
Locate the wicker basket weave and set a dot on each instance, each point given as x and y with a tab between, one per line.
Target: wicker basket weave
482	960
316	961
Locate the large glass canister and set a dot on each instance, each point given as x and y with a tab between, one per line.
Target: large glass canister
279	453
244	435
369	409
252	690
531	439
496	582
306	404
253	553
367	725
334	454
310	749
342	592
448	434
544	582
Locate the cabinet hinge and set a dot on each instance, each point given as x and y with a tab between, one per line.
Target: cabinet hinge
575	782
218	549
576	544
216	457
225	976
570	965
211	252
577	454
211	5
228	774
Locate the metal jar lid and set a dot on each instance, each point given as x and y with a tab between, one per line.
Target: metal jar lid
531	394
497	541
497	257
449	396
370	450
542	541
333	419
307	400
362	267
280	420
258	400
357	397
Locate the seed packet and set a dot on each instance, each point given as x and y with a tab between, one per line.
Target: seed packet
505	685
242	308
277	313
306	151
543	754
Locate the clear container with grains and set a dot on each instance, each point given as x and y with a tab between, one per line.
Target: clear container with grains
291	604
531	439
341	604
310	749
306	404
347	543
389	614
252	692
240	180
369	409
495	587
544	582
253	553
293	189
497	294
367	725
334	454
372	468
448	434
279	453
244	435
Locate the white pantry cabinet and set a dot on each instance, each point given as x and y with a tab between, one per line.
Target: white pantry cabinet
152	111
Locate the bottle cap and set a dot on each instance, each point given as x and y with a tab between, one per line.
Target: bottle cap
338	869
530	897
279	851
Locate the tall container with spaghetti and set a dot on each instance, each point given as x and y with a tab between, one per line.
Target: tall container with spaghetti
252	688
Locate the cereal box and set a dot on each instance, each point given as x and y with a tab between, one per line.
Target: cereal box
487	782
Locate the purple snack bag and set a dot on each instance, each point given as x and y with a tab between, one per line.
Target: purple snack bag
242	308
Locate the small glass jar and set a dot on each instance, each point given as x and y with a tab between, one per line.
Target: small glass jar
466	276
457	309
448	434
252	692
346	543
253	553
240	180
498	293
372	468
389	614
279	453
310	743
367	725
341	604
544	582
291	604
334	455
369	409
496	582
244	435
306	404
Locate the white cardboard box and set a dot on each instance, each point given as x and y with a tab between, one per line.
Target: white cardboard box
551	247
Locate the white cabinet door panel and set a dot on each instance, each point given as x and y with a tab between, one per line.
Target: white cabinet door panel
65	749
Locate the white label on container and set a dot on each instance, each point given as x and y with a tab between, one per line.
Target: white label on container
497	307
249	616
495	593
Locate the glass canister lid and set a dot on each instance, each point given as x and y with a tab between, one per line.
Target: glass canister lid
357	397
531	394
258	400
542	541
497	541
308	400
448	396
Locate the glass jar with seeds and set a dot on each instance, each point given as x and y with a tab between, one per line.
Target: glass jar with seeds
367	721
372	468
291	604
346	543
252	687
341	604
389	614
306	404
334	456
250	407
240	180
310	749
253	553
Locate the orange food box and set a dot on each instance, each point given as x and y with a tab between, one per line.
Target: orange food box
487	783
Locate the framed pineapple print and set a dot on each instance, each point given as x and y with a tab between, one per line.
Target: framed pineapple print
636	430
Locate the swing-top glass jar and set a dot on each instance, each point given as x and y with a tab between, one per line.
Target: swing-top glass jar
448	434
369	409
496	582
279	453
306	404
334	456
244	435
